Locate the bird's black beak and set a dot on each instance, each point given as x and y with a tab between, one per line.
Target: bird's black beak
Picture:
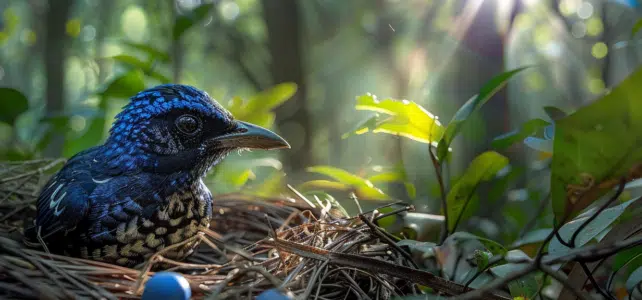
248	135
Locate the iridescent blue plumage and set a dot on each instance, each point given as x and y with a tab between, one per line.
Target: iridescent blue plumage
141	190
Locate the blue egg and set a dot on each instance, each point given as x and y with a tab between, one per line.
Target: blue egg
272	294
167	286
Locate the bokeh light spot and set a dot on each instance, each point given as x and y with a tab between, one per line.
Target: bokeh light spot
534	81
229	10
88	33
77	123
585	10
599	50
73	27
594	26
134	23
567	7
596	85
543	36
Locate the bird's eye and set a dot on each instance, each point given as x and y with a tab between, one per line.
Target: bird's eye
187	124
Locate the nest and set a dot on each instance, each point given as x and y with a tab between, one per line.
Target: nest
253	245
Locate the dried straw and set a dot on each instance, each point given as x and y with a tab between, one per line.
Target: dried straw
253	244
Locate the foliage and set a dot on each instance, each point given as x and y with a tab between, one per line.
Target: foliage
403	118
595	146
483	168
472	105
12	104
344	181
486	199
583	146
185	22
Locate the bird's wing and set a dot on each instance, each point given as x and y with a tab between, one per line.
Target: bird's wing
64	202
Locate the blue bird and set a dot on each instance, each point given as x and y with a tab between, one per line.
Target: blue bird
142	190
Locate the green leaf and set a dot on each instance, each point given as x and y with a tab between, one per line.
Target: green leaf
147	68
271	98
387	177
314	185
12	104
130	60
634	279
483	168
595	146
125	85
473	104
404	118
527	129
362	187
340	175
149	50
601	222
636	27
185	22
629	257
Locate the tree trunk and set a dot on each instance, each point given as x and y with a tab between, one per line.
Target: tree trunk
176	50
285	43
55	50
105	10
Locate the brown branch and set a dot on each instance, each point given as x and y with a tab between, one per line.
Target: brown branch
375	266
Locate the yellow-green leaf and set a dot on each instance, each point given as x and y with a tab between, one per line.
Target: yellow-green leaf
340	175
405	118
271	98
346	181
313	185
483	168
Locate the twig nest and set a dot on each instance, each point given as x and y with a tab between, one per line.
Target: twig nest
167	286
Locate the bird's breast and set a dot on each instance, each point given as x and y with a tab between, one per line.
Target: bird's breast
173	223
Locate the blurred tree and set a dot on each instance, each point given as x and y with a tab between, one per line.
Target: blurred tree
55	52
285	43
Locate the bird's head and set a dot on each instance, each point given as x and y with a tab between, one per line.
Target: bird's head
177	128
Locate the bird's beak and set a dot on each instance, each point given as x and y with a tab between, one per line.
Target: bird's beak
252	136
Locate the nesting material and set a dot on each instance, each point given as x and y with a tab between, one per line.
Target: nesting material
252	245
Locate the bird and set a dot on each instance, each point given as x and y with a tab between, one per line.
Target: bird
142	190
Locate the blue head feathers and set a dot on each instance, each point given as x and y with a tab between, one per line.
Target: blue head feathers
178	128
